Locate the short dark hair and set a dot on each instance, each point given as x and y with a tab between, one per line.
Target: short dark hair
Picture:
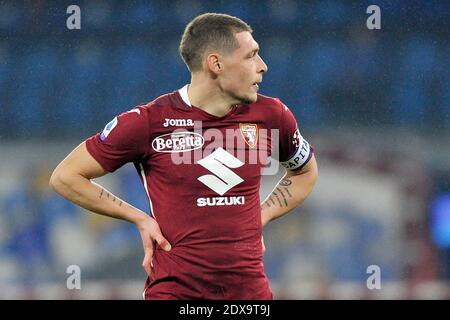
209	31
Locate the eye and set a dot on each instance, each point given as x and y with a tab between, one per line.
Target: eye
253	54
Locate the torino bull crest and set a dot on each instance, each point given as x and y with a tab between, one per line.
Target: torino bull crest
249	133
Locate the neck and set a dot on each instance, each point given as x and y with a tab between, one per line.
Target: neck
207	95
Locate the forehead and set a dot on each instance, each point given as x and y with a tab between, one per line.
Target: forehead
246	42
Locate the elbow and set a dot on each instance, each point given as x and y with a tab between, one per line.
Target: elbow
57	181
54	181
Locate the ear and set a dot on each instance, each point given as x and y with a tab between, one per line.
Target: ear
213	64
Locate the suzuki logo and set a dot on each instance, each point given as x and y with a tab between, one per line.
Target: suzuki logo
219	163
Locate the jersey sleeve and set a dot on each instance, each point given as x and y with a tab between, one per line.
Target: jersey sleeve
295	151
124	139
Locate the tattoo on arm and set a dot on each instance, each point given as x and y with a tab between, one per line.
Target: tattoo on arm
113	197
279	201
287	190
285	182
280	192
269	201
284	196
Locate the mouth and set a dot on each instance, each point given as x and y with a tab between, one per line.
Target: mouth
255	85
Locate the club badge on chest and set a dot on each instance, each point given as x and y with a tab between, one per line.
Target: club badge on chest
249	133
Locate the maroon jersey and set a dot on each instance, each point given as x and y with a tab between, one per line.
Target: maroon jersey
202	177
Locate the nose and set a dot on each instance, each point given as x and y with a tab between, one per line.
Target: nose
262	66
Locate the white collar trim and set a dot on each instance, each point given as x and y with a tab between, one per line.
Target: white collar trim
184	95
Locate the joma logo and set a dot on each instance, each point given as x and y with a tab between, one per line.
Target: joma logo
177	122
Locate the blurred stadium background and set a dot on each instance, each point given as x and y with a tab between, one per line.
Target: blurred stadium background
374	103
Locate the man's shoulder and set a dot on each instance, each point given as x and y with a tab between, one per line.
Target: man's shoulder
167	100
268	100
268	108
270	104
265	110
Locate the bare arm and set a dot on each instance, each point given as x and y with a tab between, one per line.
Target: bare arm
72	180
290	192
